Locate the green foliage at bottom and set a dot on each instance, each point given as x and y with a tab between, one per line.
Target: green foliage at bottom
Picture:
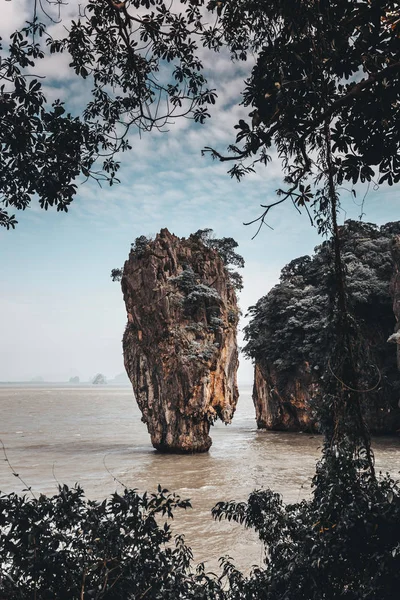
68	548
342	544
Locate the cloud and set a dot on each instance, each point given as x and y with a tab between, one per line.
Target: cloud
14	13
58	305
56	69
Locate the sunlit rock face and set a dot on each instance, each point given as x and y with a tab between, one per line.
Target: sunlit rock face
283	405
180	349
291	332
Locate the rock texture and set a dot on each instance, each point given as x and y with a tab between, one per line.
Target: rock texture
180	348
283	405
285	401
290	334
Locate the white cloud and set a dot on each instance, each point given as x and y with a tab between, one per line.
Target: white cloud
55	67
14	13
58	306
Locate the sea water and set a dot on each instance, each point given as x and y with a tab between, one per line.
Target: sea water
93	435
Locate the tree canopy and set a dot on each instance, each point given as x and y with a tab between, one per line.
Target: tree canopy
322	69
68	547
291	323
143	70
324	89
291	328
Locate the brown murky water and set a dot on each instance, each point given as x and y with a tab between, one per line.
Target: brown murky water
92	434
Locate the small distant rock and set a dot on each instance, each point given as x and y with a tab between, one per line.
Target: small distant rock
99	379
121	378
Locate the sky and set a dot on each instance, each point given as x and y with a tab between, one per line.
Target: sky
60	313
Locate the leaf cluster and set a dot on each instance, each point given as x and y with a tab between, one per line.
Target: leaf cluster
43	147
341	544
199	298
292	323
138	247
140	61
67	547
323	72
225	248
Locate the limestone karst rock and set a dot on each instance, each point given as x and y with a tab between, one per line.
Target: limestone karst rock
283	405
180	349
99	379
290	334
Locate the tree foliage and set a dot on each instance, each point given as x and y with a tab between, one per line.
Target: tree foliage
291	323
67	547
326	69
143	71
342	544
325	72
225	248
292	326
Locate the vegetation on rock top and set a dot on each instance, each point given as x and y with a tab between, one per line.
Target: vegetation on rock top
291	323
291	326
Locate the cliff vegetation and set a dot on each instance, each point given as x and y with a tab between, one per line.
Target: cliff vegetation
291	333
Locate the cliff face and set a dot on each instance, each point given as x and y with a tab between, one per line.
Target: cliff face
283	405
290	334
287	401
180	348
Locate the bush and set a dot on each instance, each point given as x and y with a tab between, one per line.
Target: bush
342	544
67	547
291	325
225	247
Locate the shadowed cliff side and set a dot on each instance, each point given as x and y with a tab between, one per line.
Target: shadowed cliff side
180	349
291	334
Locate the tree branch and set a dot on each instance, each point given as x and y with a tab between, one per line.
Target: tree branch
354	91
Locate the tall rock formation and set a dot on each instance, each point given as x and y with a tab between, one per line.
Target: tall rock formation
180	349
290	334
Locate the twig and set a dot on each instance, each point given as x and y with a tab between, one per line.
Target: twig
28	488
112	474
351	388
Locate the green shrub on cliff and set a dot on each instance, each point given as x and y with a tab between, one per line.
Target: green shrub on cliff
226	250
